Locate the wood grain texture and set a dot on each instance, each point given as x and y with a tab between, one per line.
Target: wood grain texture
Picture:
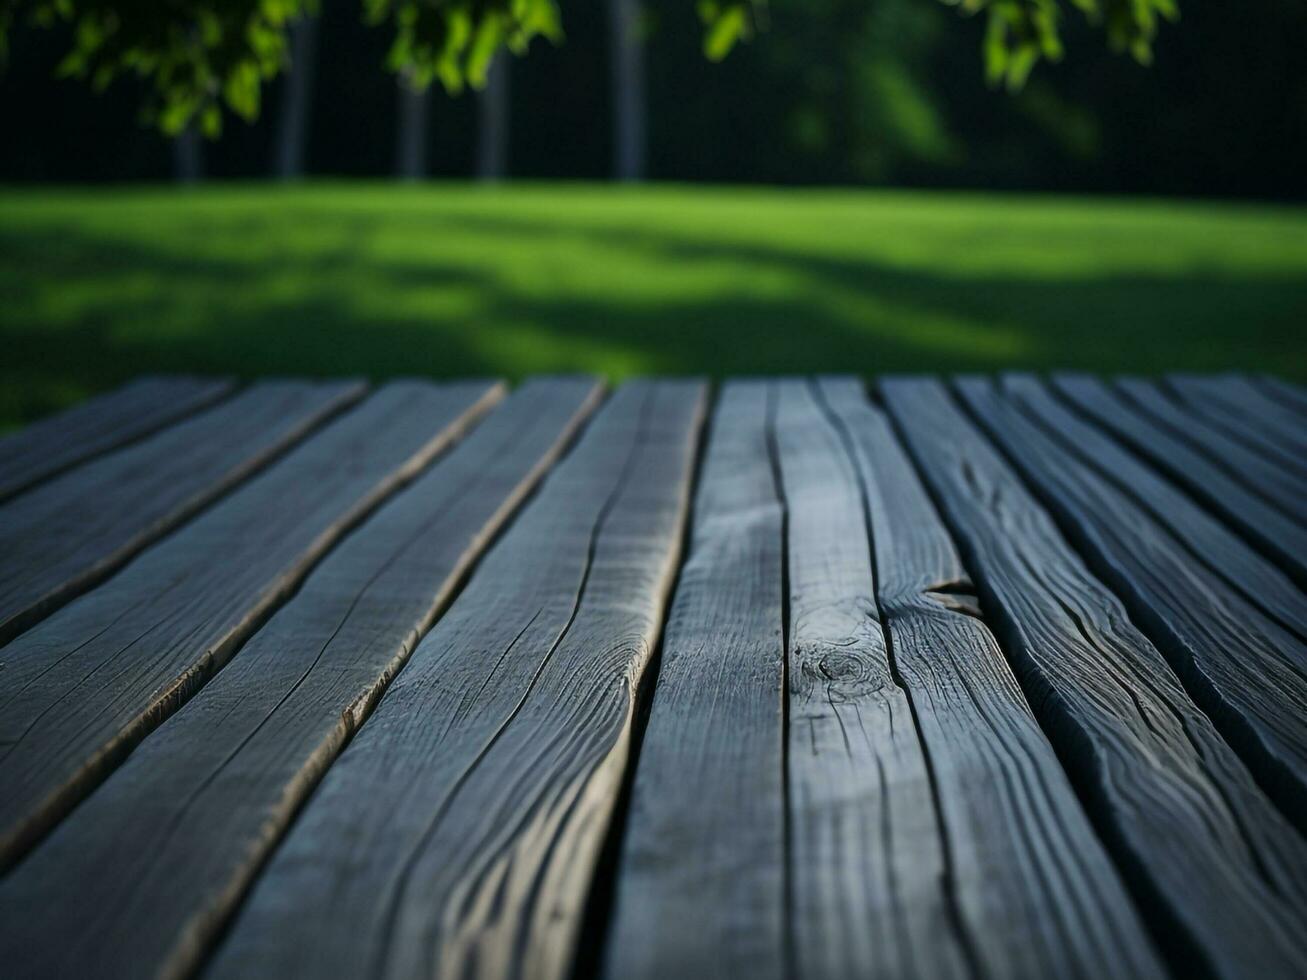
83	686
1271	531
1236	455
1245	671
458	833
1031	891
52	445
138	879
711	767
867	855
74	530
1244	411
1224	553
1217	868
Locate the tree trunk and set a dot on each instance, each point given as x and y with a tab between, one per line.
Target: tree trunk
296	100
627	46
411	144
492	121
188	155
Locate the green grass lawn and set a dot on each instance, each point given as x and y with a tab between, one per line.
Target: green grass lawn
454	279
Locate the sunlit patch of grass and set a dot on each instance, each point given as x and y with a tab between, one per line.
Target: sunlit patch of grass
100	285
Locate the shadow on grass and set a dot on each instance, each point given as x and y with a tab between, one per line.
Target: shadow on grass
82	310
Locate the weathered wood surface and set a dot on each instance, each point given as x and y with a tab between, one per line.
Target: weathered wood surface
1031	891
1245	671
1224	553
1235	455
318	724
1237	405
52	445
65	535
139	878
83	686
1187	824
868	860
711	767
1273	532
458	833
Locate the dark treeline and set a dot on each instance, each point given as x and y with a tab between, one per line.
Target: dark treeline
835	91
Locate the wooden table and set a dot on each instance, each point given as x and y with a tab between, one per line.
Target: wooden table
786	678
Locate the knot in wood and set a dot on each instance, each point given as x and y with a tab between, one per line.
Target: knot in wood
841	666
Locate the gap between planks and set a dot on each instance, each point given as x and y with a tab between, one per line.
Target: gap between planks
122	889
87	683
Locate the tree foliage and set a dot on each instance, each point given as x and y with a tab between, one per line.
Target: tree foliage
196	57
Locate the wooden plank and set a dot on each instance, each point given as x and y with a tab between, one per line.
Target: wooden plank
1249	415
75	530
1272	532
1220	870
1249	467
52	445
1226	554
867	856
83	686
1030	890
458	833
139	878
711	768
1246	672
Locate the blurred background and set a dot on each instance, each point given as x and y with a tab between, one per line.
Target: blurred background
843	193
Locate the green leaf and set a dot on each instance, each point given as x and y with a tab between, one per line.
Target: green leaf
724	29
196	56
